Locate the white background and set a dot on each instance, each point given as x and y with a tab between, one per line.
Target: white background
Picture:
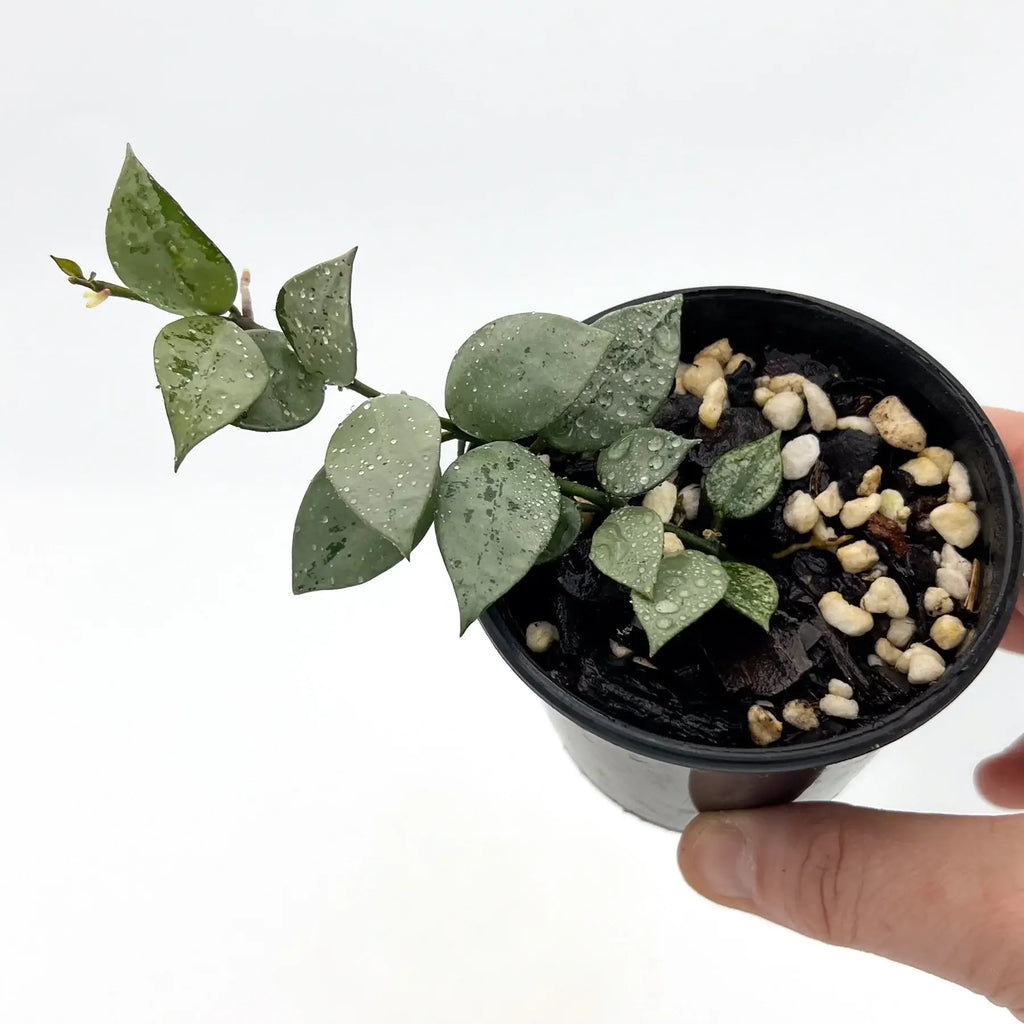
225	805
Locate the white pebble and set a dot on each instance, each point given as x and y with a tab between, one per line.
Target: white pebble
662	500
764	727
886	651
956	524
822	532
787	382
892	505
784	410
959	483
800	715
688	501
947	632
714	401
953	583
838	707
952	559
898	425
619	650
858	556
923	664
901	632
840	688
704	370
942	457
884	597
846	617
870	482
819	408
800	513
875	661
720	350
546	459
861	423
671	545
540	636
923	471
937	601
799	455
858	511
830	501
736	362
761	395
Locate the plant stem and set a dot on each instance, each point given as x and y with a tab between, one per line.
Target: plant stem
115	289
246	322
366	391
591	494
451	427
692	540
539	444
825	545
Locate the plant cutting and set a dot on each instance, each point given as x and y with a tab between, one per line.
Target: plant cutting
690	546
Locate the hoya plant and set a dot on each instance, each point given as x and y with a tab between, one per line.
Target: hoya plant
519	386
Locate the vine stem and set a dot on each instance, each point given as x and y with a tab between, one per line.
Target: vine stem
115	289
591	494
692	540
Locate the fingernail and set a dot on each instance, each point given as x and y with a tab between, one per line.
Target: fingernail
720	861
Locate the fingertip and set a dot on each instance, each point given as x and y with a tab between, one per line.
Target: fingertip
1000	779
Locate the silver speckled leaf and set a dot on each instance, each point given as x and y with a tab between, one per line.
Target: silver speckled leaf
382	460
628	547
497	508
158	251
688	585
752	592
210	373
333	548
515	375
630	382
640	460
743	481
567	529
314	309
293	396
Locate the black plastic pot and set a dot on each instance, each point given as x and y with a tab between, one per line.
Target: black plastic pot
668	781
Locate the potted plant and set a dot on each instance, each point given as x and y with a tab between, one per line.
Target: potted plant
736	539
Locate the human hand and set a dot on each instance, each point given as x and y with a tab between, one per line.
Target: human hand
939	892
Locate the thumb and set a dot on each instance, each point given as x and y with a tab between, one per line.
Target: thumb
944	894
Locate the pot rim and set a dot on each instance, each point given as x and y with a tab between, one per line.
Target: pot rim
500	630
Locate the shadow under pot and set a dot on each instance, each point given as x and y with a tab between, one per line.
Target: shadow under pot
668	738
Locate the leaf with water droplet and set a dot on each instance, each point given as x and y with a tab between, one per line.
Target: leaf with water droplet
210	373
69	267
497	508
382	460
641	459
158	251
515	375
567	529
332	548
752	592
630	383
314	309
628	546
293	396
688	585
746	479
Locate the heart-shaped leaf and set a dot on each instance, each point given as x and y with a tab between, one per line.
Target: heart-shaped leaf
744	480
382	460
635	374
293	396
641	459
752	592
688	585
160	252
567	529
497	508
69	267
314	309
515	375
628	547
210	373
333	548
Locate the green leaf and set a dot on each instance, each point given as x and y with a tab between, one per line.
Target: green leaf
210	373
641	459
382	460
333	548
688	585
635	374
159	251
628	547
752	592
567	529
497	509
69	267
293	396
517	374
314	309
744	480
